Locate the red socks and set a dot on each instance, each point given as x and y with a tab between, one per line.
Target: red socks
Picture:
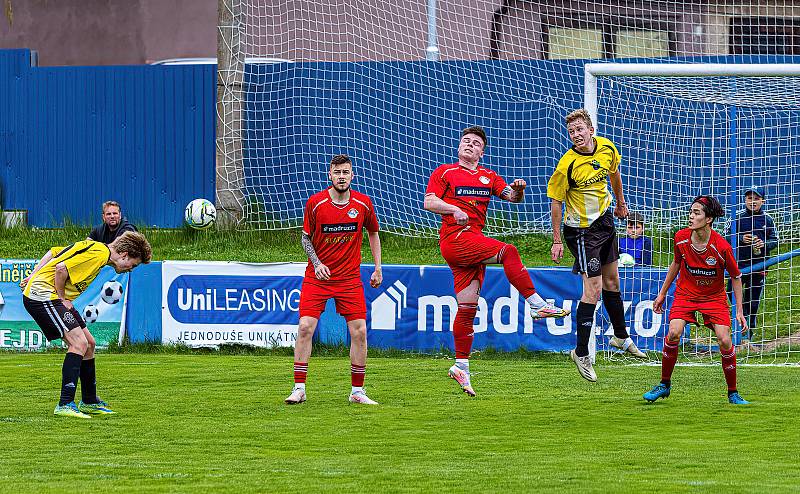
669	357
300	372
729	367
463	330
357	373
515	271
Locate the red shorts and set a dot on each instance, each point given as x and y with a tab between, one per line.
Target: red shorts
714	312
349	298
465	252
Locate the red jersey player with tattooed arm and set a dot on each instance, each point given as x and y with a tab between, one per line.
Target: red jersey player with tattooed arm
332	226
460	192
701	258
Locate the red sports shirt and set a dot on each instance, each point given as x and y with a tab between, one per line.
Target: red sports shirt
470	190
702	274
335	231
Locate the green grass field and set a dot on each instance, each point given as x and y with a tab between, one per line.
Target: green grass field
217	423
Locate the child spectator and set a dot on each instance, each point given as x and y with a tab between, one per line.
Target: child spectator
635	243
756	237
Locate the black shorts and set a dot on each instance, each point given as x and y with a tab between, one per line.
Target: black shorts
593	247
53	318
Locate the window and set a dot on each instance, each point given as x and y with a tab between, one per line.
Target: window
764	36
607	37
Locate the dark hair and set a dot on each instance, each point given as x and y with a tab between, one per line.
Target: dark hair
340	159
634	217
711	207
478	131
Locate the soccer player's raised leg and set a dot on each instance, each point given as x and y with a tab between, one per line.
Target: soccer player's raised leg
90	403
358	361
728	354
520	279
669	357
302	352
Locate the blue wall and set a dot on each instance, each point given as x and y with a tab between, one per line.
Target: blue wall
73	137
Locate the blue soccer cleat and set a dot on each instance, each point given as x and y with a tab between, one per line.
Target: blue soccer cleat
735	399
660	390
99	408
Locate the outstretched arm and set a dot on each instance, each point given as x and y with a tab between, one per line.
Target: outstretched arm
321	271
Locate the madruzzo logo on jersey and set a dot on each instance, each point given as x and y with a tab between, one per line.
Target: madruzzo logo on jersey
473	191
340	227
208	303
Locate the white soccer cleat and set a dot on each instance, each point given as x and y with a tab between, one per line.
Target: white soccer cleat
548	310
361	398
627	345
584	365
298	396
462	378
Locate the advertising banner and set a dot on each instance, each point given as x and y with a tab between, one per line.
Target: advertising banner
415	309
208	303
101	305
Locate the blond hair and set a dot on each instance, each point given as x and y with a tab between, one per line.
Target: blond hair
581	114
135	245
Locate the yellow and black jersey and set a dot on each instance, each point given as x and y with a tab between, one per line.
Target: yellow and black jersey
581	182
83	260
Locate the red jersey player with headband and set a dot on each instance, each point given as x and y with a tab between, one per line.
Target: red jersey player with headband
701	258
460	192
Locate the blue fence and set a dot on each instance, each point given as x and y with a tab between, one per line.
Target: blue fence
73	137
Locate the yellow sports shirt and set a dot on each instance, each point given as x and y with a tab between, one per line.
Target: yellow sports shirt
581	182
83	260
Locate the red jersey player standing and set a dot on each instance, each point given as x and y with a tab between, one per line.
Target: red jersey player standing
701	257
460	192
332	226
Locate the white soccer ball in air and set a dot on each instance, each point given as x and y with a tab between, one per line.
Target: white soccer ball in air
90	314
200	214
626	260
111	292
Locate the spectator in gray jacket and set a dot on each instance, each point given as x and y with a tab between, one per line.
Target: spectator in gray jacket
114	224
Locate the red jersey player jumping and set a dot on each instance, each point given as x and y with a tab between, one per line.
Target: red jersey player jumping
460	192
332	226
701	257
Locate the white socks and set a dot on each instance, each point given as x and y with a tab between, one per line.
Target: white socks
536	302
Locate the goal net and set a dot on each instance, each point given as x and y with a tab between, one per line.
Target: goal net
723	130
392	84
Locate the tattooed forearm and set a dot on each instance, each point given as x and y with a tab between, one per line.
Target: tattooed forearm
309	248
